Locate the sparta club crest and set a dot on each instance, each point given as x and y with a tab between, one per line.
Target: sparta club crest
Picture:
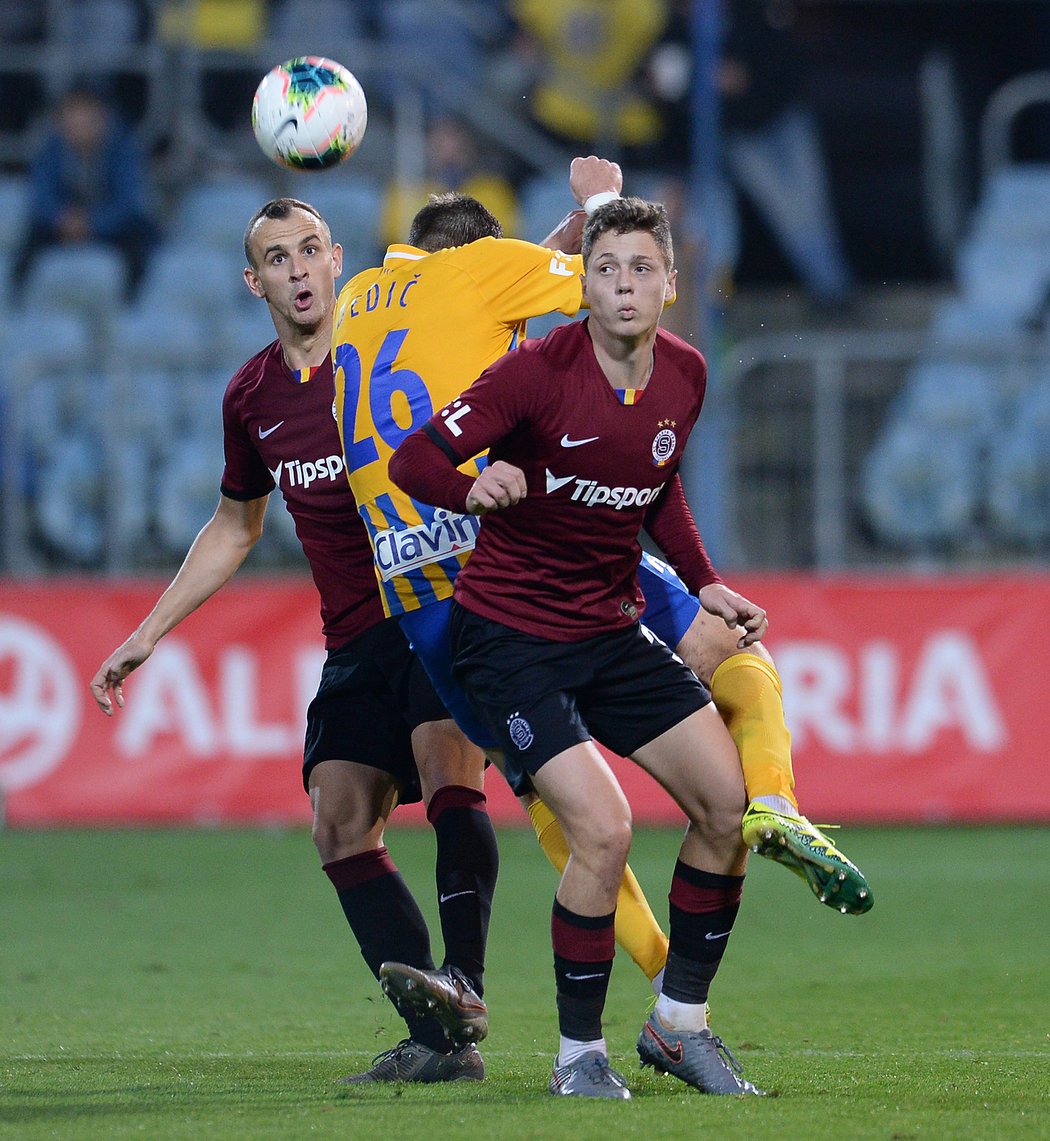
520	731
664	443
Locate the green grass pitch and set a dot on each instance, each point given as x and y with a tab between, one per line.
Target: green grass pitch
178	984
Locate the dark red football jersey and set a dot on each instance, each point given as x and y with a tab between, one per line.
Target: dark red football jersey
561	564
279	431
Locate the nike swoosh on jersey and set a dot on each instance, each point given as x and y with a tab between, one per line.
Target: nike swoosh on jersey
269	431
567	443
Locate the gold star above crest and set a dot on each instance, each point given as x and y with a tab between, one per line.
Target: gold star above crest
668	424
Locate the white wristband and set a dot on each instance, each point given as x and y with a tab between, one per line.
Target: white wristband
599	199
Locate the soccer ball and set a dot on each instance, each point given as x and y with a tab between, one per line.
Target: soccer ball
309	113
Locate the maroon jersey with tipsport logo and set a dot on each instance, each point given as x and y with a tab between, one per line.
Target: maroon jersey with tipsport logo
279	431
561	564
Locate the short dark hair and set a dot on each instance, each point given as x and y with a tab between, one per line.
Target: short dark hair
452	219
624	216
277	209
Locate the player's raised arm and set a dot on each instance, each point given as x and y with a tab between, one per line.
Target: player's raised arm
592	175
567	236
589	177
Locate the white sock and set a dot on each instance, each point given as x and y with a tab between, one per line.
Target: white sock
569	1049
674	1015
779	804
658	980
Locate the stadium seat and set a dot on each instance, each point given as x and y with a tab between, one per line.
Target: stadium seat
544	201
1018	494
1015	203
43	339
84	279
1009	275
197	404
96	24
14	189
144	337
442	36
68	505
952	396
213	215
59	403
351	206
921	494
314	25
962	323
187	491
186	278
246	331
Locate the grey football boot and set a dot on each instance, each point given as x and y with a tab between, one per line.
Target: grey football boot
410	1061
698	1058
446	994
590	1075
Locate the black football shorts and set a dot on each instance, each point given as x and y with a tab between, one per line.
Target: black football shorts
622	688
373	692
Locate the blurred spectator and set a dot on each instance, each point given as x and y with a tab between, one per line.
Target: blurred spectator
104	26
669	78
452	163
772	146
214	24
447	37
228	34
87	184
591	54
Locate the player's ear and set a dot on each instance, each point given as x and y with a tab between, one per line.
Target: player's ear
670	290
337	259
251	279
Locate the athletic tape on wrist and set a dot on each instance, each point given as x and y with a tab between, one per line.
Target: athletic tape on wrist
599	199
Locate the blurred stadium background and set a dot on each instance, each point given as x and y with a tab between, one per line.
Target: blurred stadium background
874	466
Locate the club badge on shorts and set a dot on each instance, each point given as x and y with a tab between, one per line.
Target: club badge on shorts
664	443
520	731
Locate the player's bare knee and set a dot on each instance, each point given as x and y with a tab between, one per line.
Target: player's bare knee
603	843
337	839
326	840
346	819
719	824
445	756
709	642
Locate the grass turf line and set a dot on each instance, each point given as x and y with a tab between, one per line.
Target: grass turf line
176	984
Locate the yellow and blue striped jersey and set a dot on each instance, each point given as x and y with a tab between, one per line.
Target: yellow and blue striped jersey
409	337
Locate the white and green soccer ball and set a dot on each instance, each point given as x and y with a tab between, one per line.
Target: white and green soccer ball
309	113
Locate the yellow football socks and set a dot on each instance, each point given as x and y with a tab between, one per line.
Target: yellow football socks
637	931
746	691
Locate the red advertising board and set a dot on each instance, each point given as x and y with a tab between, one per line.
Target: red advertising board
908	699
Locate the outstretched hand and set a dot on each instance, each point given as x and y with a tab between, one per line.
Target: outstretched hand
736	611
111	674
